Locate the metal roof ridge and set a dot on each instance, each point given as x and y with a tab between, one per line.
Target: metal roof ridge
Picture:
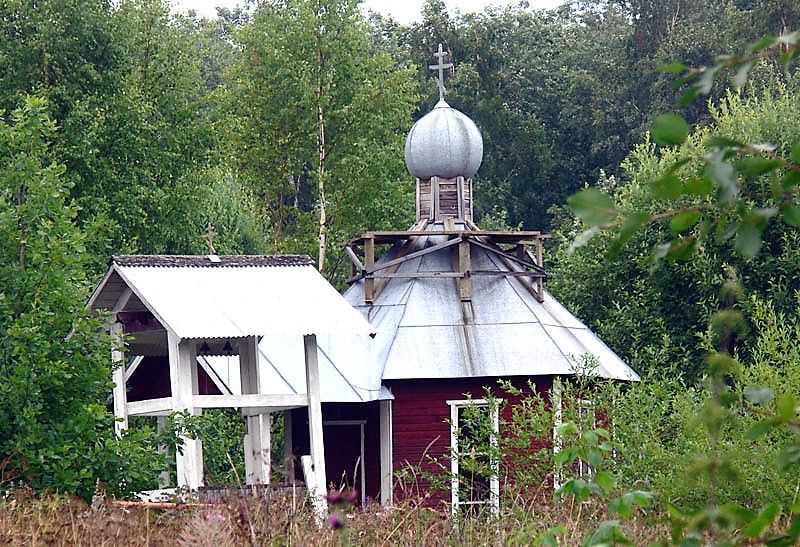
209	261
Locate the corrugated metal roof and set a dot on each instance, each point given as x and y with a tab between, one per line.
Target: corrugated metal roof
230	302
282	369
425	331
211	261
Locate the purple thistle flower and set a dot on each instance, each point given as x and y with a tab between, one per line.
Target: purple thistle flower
335	522
334	498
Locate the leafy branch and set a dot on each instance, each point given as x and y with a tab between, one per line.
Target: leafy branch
727	190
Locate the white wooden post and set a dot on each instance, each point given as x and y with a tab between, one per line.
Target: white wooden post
257	440
387	472
183	383
320	486
120	394
556	406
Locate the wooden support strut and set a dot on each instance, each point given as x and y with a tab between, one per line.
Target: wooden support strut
372	269
464	265
319	488
369	264
120	385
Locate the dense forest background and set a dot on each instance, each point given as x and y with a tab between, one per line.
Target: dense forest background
126	129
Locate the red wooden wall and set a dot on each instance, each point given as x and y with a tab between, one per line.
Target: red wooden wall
340	452
420	427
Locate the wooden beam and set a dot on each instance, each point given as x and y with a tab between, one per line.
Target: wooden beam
133	366
252	400
404	250
411	256
122	301
387	453
540	262
508	256
120	385
415	275
369	263
354	258
319	488
529	237
151	407
464	265
512	273
257	465
183	385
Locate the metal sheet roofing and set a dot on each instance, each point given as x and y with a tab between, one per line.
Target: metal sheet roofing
425	331
196	298
282	368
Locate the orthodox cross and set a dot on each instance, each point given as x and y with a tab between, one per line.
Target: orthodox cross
210	235
440	55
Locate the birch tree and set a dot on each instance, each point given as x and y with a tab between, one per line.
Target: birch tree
318	118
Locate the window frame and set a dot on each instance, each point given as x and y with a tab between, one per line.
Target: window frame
494	478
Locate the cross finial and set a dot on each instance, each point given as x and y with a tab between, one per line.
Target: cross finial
210	235
441	66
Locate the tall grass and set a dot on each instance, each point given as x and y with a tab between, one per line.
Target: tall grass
29	520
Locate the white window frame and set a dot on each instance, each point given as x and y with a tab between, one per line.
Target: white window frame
585	411
494	479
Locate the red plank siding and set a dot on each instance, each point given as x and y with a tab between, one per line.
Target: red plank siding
420	428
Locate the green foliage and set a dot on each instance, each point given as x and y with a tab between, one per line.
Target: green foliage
55	429
650	316
222	432
313	107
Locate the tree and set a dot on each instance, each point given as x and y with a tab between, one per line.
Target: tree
317	125
56	431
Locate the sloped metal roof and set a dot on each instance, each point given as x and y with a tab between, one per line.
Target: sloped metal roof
282	369
425	331
238	296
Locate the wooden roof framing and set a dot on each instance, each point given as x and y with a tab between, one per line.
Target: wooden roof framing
519	260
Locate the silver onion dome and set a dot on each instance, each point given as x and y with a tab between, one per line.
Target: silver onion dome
444	143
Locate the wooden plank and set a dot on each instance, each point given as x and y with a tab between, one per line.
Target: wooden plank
133	366
512	273
354	258
320	483
183	386
416	275
416	198
251	400
387	470
411	256
150	407
400	260
507	256
529	237
122	301
369	263
540	262
464	265
435	191
383	281
120	385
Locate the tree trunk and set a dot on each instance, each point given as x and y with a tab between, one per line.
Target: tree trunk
323	220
